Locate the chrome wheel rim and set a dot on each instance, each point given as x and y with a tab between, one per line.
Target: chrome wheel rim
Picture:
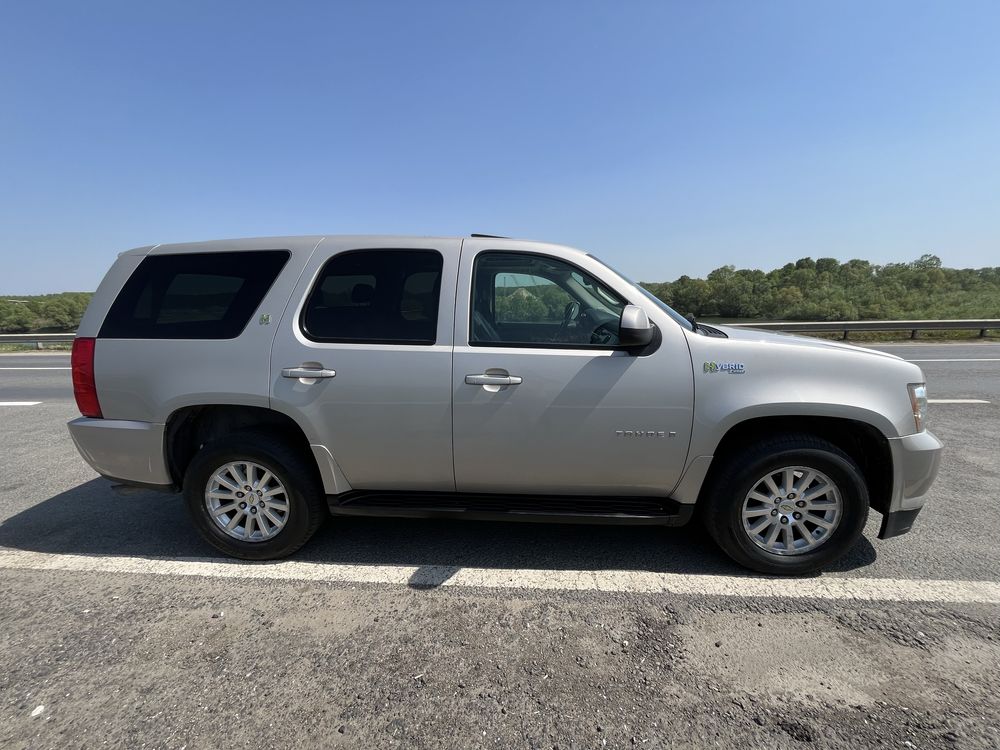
247	501
792	510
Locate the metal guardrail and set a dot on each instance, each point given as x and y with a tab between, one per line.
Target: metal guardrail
38	339
846	326
788	326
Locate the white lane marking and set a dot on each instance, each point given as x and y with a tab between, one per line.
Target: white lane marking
36	368
20	403
645	582
957	401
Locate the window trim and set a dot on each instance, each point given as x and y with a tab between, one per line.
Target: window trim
317	282
121	289
533	345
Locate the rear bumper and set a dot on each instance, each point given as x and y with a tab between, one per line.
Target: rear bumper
129	452
915	461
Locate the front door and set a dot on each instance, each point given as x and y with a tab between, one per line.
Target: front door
544	402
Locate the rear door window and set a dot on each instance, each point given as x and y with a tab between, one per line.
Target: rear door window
376	297
193	296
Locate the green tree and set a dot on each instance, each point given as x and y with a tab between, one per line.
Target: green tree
521	305
15	317
61	313
731	294
689	295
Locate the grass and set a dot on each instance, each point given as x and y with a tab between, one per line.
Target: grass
875	337
56	347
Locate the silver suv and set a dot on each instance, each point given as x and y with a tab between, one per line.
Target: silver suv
276	380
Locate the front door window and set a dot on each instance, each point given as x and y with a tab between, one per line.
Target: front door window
527	300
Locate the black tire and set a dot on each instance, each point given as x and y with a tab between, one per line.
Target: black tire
722	506
306	501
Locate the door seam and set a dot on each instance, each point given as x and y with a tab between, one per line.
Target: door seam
454	333
277	328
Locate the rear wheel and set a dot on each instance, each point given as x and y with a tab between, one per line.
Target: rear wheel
253	496
788	505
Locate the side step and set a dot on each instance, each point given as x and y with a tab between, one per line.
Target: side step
652	511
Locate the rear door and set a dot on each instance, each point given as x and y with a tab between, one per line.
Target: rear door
365	345
578	416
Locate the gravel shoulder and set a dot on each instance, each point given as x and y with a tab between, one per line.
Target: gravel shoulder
128	661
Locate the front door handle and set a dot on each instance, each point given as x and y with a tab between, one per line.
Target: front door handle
307	372
485	379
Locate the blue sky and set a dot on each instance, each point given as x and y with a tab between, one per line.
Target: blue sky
668	138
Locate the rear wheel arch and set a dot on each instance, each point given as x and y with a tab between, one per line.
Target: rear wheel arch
190	428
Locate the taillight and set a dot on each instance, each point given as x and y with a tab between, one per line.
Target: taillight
84	387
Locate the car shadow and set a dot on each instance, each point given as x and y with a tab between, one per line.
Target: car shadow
92	519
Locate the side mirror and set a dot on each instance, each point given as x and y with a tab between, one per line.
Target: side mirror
635	331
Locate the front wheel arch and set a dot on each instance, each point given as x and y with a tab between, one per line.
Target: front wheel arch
864	443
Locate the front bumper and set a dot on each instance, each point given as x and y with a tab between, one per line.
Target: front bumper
915	461
129	452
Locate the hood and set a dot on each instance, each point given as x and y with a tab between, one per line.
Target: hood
789	339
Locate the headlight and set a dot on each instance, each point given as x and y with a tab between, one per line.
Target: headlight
918	400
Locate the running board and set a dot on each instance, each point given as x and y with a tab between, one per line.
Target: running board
651	511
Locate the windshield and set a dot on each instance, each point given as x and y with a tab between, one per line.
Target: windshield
681	320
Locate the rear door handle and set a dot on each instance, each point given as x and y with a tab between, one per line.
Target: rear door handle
492	379
307	372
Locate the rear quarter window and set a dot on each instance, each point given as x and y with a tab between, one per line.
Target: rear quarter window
193	296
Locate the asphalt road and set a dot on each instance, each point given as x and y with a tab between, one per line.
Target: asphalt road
35	377
386	633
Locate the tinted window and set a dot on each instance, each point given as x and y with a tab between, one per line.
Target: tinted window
200	296
521	299
376	297
526	298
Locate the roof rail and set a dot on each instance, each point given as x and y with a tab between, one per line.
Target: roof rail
489	236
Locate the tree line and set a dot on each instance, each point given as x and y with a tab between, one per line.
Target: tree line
822	289
54	313
826	289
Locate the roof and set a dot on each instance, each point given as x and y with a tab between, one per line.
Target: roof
303	243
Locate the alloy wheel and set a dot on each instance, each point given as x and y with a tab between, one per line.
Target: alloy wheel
247	501
792	510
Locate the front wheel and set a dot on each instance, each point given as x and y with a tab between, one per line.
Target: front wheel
253	496
787	506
